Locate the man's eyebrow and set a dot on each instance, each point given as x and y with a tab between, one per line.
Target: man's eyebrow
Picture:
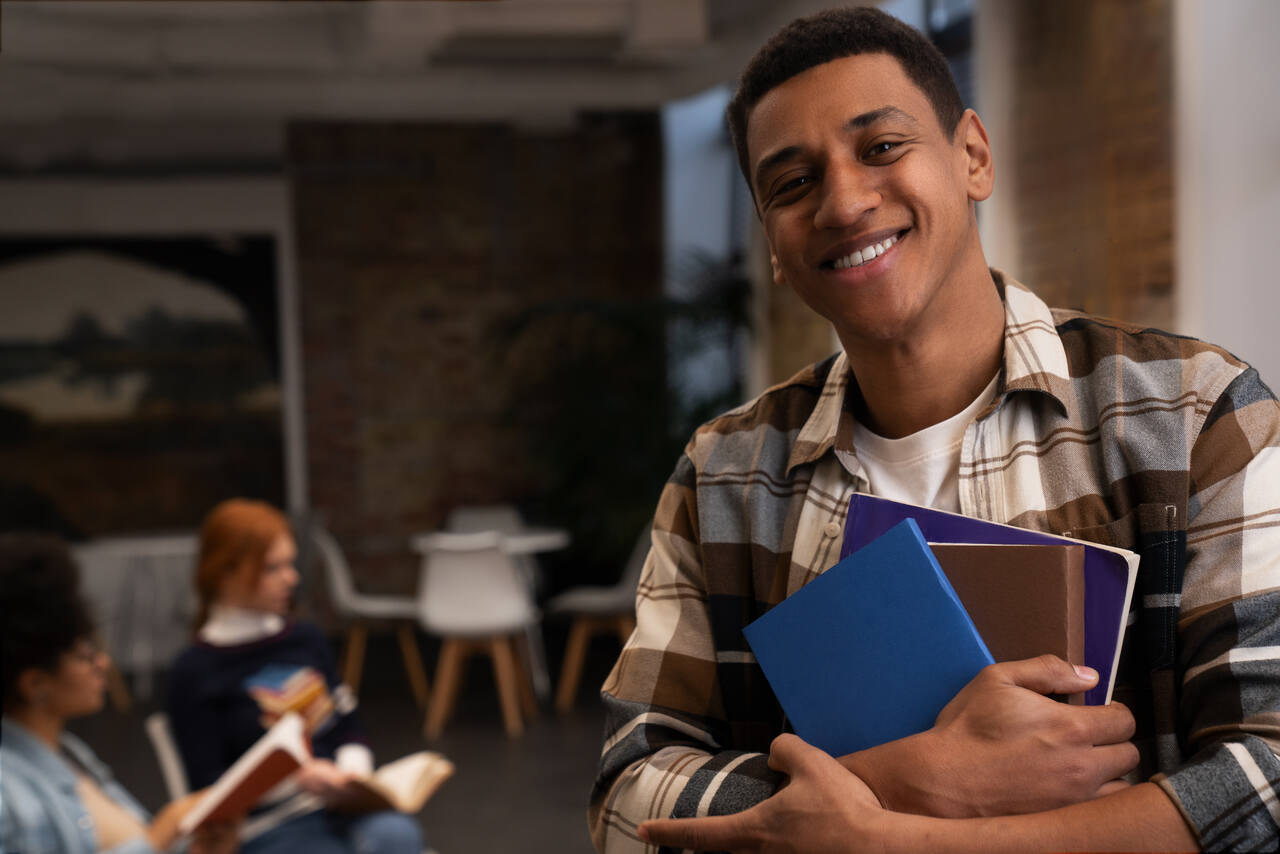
858	122
872	116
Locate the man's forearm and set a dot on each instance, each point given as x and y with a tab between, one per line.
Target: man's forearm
1140	818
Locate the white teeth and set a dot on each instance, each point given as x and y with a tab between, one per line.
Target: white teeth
859	257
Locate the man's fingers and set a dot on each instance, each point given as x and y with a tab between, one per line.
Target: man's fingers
1116	760
1047	674
713	833
1110	724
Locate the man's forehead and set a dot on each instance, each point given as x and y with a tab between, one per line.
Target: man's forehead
847	92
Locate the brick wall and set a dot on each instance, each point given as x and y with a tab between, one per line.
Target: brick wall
417	245
1093	130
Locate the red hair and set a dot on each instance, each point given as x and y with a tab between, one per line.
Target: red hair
236	533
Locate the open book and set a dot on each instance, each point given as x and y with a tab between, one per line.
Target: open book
405	784
276	755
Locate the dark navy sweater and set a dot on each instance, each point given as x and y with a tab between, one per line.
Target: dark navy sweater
223	698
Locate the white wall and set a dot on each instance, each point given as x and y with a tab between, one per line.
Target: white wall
993	84
1227	182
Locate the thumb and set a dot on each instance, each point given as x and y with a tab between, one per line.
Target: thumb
787	752
1048	674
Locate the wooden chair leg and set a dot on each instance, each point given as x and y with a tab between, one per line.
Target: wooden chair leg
413	664
118	689
504	672
571	670
448	677
353	655
524	677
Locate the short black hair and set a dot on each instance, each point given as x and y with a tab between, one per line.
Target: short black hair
834	34
43	612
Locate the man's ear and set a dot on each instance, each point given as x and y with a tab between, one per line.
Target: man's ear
981	174
778	278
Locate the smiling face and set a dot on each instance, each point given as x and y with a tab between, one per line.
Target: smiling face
867	202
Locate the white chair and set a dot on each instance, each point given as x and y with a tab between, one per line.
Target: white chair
506	519
595	610
166	750
362	608
474	518
472	594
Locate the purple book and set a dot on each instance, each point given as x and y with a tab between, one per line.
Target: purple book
1109	572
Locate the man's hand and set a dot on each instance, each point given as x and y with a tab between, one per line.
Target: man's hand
326	781
822	808
1001	747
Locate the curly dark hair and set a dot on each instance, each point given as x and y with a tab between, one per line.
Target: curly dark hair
834	34
44	614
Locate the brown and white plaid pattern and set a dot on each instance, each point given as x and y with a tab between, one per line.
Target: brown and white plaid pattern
1108	432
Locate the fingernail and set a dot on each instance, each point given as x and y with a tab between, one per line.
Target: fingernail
1085	672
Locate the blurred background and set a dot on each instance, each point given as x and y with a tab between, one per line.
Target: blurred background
378	260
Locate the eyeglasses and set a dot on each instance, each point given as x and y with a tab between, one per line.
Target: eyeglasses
87	651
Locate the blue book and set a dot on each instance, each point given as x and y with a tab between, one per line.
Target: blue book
872	649
1109	572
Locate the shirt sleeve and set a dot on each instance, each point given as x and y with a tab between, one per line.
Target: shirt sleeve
668	749
1229	627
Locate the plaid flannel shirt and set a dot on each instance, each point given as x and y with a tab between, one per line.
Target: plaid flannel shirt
1107	432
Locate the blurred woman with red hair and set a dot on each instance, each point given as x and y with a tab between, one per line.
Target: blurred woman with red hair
250	665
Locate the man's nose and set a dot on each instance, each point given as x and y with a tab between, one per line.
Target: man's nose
848	192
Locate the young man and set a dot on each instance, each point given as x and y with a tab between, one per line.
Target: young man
957	388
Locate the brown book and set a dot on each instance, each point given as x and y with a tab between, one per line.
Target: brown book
282	750
1024	600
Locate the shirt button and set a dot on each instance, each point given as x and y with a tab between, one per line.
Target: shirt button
831	529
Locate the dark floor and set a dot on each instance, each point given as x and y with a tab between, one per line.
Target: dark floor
508	795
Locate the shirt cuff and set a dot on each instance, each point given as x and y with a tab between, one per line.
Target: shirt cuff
355	758
1228	795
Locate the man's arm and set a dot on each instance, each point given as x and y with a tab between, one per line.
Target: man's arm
826	810
668	747
1228	667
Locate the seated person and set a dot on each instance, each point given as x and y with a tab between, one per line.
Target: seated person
249	666
55	794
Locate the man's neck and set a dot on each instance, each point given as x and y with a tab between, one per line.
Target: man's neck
915	383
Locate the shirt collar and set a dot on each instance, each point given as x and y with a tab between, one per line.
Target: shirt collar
228	626
24	743
1034	361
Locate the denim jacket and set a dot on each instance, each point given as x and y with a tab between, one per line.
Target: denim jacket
40	811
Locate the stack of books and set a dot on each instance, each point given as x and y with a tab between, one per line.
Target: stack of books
872	649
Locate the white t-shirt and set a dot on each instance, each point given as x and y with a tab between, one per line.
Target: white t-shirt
923	468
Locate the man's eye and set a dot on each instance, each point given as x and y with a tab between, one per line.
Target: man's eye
881	148
791	184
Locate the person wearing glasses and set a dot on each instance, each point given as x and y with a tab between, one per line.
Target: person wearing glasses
55	794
